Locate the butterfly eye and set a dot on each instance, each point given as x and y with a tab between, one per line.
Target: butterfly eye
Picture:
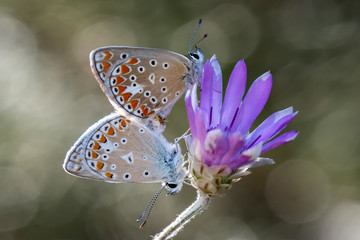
172	185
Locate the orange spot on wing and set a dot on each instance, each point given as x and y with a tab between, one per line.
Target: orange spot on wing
111	131
152	112
123	123
94	154
106	66
144	110
96	145
119	80
108	55
161	120
133	61
124	69
99	165
126	96
109	175
134	103
78	168
128	120
121	89
102	138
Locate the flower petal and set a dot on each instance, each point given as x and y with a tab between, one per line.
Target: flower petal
268	122
200	126
207	90
253	104
273	130
216	145
199	151
246	156
234	94
236	142
189	143
259	162
190	104
217	93
280	140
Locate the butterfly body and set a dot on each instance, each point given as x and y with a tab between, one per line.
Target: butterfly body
120	149
145	82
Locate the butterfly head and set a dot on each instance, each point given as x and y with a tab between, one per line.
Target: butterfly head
173	188
175	184
197	59
196	56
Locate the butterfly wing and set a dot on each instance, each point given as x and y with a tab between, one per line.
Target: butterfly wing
117	149
143	81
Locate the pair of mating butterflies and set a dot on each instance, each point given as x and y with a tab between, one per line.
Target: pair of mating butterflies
142	84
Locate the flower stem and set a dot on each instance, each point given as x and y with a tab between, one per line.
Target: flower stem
197	207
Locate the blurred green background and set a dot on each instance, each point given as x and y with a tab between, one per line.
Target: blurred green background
48	98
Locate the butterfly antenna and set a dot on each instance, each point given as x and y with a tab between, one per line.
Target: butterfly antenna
150	207
205	36
193	36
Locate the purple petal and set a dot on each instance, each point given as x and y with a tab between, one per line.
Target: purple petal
253	103
273	129
268	122
200	125
236	142
234	94
216	100
216	145
190	104
240	161
280	140
246	156
206	90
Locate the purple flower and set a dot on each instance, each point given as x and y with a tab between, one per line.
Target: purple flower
222	148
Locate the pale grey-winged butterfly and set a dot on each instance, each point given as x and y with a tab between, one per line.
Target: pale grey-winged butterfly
120	149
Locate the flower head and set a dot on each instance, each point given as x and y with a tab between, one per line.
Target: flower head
222	148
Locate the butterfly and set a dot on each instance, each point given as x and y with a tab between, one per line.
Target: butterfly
145	82
122	150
